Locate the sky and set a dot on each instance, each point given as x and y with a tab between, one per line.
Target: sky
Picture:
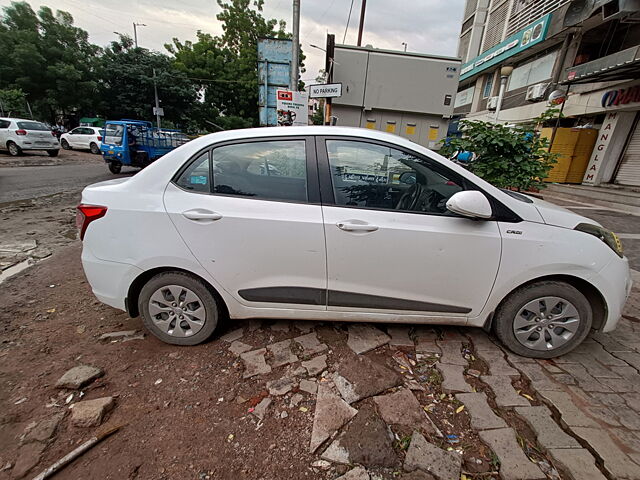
427	26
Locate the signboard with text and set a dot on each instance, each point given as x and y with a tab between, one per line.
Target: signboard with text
292	108
516	43
325	90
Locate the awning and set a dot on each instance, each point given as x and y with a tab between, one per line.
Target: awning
624	65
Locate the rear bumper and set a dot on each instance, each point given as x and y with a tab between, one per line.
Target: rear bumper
28	144
110	281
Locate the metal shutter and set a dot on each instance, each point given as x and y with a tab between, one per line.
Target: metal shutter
629	171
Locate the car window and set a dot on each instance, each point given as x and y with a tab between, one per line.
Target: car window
75	131
4	123
114	134
196	176
375	176
32	126
269	170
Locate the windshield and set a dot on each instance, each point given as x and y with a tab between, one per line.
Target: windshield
114	134
33	126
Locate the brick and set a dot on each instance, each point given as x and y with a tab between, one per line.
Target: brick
453	378
281	353
254	363
400	336
604	415
426	457
570	414
586	381
496	362
550	366
547	431
403	408
364	338
596	369
578	463
506	395
610	344
310	344
482	416
331	413
426	340
595	350
451	353
616	463
316	365
538	377
514	464
481	340
633	400
632	358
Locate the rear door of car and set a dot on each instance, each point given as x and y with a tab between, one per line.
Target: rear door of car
249	211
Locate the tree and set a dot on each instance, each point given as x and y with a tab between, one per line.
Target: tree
225	67
126	84
508	157
46	57
12	103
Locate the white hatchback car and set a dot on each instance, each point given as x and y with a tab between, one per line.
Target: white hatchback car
18	135
87	138
334	223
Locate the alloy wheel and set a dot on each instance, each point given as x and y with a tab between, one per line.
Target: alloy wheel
177	311
546	323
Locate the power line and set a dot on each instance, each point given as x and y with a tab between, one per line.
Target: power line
344	39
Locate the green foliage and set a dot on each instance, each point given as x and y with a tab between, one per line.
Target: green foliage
508	157
12	103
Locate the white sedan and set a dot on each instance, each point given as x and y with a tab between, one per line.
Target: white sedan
334	223
86	138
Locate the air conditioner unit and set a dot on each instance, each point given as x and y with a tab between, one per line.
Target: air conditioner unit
492	103
626	10
535	92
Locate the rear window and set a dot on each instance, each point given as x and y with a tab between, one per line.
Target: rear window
32	126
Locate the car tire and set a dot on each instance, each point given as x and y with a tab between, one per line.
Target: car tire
186	323
64	144
531	321
53	153
95	149
115	167
14	149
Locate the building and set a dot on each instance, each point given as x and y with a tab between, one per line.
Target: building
409	94
586	50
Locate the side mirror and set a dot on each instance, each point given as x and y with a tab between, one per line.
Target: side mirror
470	203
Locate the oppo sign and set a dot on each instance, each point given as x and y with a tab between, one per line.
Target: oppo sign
623	96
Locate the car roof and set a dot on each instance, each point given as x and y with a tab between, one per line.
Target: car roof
13	119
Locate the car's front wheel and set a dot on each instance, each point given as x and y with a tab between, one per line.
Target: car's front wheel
115	167
64	144
178	308
544	319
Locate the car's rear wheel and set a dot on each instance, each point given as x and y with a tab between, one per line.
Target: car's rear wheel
115	167
53	153
544	319
14	149
94	148
64	144
178	308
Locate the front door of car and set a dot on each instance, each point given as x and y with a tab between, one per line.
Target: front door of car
250	213
392	246
4	130
74	137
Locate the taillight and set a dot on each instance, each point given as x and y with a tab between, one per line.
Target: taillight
53	133
21	132
99	138
87	214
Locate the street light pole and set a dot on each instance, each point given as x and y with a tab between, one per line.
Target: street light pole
361	26
405	46
155	93
505	72
293	83
135	32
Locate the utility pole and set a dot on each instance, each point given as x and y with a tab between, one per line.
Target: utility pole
361	27
135	32
293	83
328	68
155	92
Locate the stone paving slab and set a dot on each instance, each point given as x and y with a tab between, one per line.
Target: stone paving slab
585	380
282	354
451	353
570	414
403	408
357	473
232	335
481	340
538	377
453	378
632	358
358	377
616	463
482	416
547	431
400	336
506	395
426	457
426	340
364	338
331	413
310	344
254	363
514	464
316	365
578	463
237	347
497	363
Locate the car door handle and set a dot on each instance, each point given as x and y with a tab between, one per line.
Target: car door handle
198	215
356	227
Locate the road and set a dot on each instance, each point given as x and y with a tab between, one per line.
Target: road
21	183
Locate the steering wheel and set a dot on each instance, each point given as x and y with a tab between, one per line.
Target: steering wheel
410	197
